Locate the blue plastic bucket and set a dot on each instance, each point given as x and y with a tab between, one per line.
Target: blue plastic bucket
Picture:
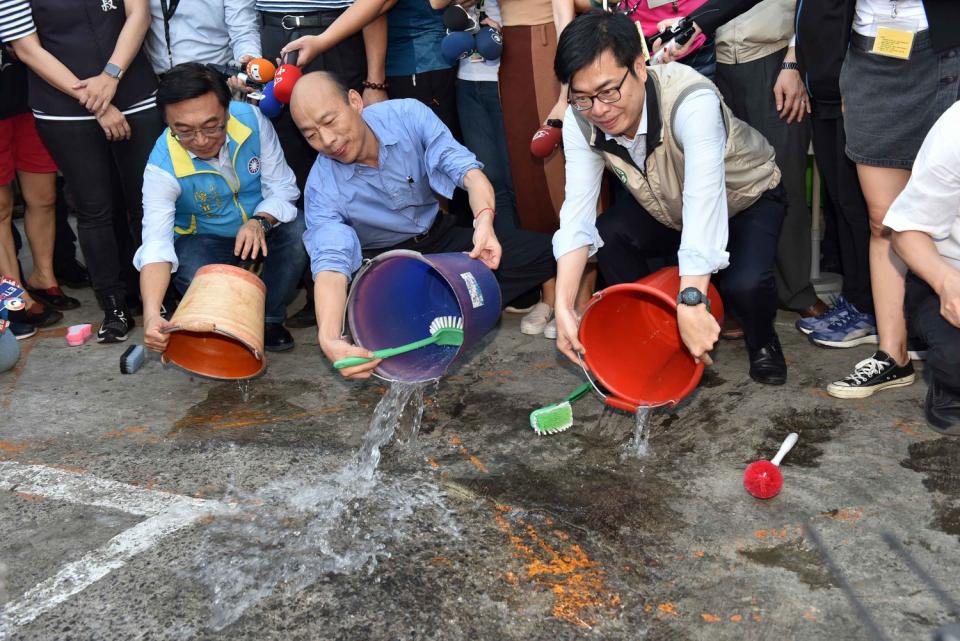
396	296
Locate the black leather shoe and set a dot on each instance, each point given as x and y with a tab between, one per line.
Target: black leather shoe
276	338
767	365
942	409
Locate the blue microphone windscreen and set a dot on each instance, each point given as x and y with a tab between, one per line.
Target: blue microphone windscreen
456	45
269	105
489	43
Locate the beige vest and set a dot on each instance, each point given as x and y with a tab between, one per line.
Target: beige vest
748	158
764	29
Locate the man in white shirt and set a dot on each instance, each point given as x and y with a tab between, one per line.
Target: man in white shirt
217	190
687	166
925	219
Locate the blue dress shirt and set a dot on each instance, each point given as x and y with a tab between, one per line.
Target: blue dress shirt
354	207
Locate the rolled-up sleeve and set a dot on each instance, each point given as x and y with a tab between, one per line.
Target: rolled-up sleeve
698	127
277	181
243	28
446	160
578	214
332	244
160	193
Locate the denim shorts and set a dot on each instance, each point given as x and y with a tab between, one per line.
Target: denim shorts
891	104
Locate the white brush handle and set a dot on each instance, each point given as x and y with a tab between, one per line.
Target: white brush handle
788	444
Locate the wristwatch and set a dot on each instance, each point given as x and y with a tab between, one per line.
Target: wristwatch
790	65
692	296
266	224
113	70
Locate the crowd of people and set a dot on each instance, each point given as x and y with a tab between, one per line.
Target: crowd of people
685	129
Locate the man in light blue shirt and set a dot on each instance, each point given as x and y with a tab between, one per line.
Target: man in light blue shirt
372	189
219	32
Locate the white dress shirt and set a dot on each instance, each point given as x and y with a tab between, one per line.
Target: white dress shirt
931	200
161	190
698	128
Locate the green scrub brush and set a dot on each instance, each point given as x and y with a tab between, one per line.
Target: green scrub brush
557	417
444	330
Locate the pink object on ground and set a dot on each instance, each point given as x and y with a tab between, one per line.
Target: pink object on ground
79	334
763	478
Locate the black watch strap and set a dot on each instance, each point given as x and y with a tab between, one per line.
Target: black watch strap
790	65
266	224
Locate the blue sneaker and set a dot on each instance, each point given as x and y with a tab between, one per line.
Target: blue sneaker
814	323
852	329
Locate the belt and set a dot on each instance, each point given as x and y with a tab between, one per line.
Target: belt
300	20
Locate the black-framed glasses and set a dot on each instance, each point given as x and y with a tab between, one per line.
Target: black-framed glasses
208	132
608	96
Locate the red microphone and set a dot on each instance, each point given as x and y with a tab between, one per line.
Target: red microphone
547	138
287	75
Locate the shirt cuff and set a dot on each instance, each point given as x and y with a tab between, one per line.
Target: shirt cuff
566	241
695	263
156	253
280	209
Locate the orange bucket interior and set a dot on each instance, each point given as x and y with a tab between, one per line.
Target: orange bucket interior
213	355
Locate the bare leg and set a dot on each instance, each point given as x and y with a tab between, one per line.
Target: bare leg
40	194
881	186
549	291
8	251
588	283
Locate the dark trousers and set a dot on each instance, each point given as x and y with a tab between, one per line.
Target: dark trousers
436	89
852	220
943	339
347	61
747	285
286	259
478	104
527	260
747	89
92	166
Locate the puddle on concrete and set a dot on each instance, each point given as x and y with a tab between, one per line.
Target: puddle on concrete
711	379
795	557
288	534
814	427
939	461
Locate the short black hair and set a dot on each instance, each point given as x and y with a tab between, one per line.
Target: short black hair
192	80
589	35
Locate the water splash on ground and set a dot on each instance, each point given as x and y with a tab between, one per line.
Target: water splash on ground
244	386
293	531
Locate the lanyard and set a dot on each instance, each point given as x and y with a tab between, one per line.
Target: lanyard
893	8
168	8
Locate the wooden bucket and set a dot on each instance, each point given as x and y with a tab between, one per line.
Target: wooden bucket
218	327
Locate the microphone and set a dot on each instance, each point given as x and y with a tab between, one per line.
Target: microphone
260	69
456	18
547	138
287	75
457	45
269	105
489	43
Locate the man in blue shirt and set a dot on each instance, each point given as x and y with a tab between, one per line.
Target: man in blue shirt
372	189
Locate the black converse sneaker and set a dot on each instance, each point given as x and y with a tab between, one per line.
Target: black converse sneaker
117	321
873	374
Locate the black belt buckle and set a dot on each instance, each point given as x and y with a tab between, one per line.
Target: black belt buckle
419	238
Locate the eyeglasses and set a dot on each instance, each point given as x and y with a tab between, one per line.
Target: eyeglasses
208	132
607	96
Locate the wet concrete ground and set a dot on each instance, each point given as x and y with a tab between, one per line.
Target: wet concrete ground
480	530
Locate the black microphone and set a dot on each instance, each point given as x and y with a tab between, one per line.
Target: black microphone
456	18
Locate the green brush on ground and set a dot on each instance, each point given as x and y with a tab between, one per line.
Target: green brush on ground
557	417
444	330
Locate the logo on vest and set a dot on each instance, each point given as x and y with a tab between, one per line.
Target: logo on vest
253	166
621	174
107	5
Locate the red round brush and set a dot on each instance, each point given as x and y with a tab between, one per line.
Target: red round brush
547	138
763	478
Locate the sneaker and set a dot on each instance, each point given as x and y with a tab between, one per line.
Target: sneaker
510	309
873	374
21	331
849	330
535	321
550	331
815	323
117	321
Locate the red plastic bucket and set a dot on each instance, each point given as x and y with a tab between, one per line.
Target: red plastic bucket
632	343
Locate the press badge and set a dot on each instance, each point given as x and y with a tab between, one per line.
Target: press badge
653	4
894	38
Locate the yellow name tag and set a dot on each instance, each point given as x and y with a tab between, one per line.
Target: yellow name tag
893	43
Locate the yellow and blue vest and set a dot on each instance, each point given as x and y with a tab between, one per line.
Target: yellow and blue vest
209	202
